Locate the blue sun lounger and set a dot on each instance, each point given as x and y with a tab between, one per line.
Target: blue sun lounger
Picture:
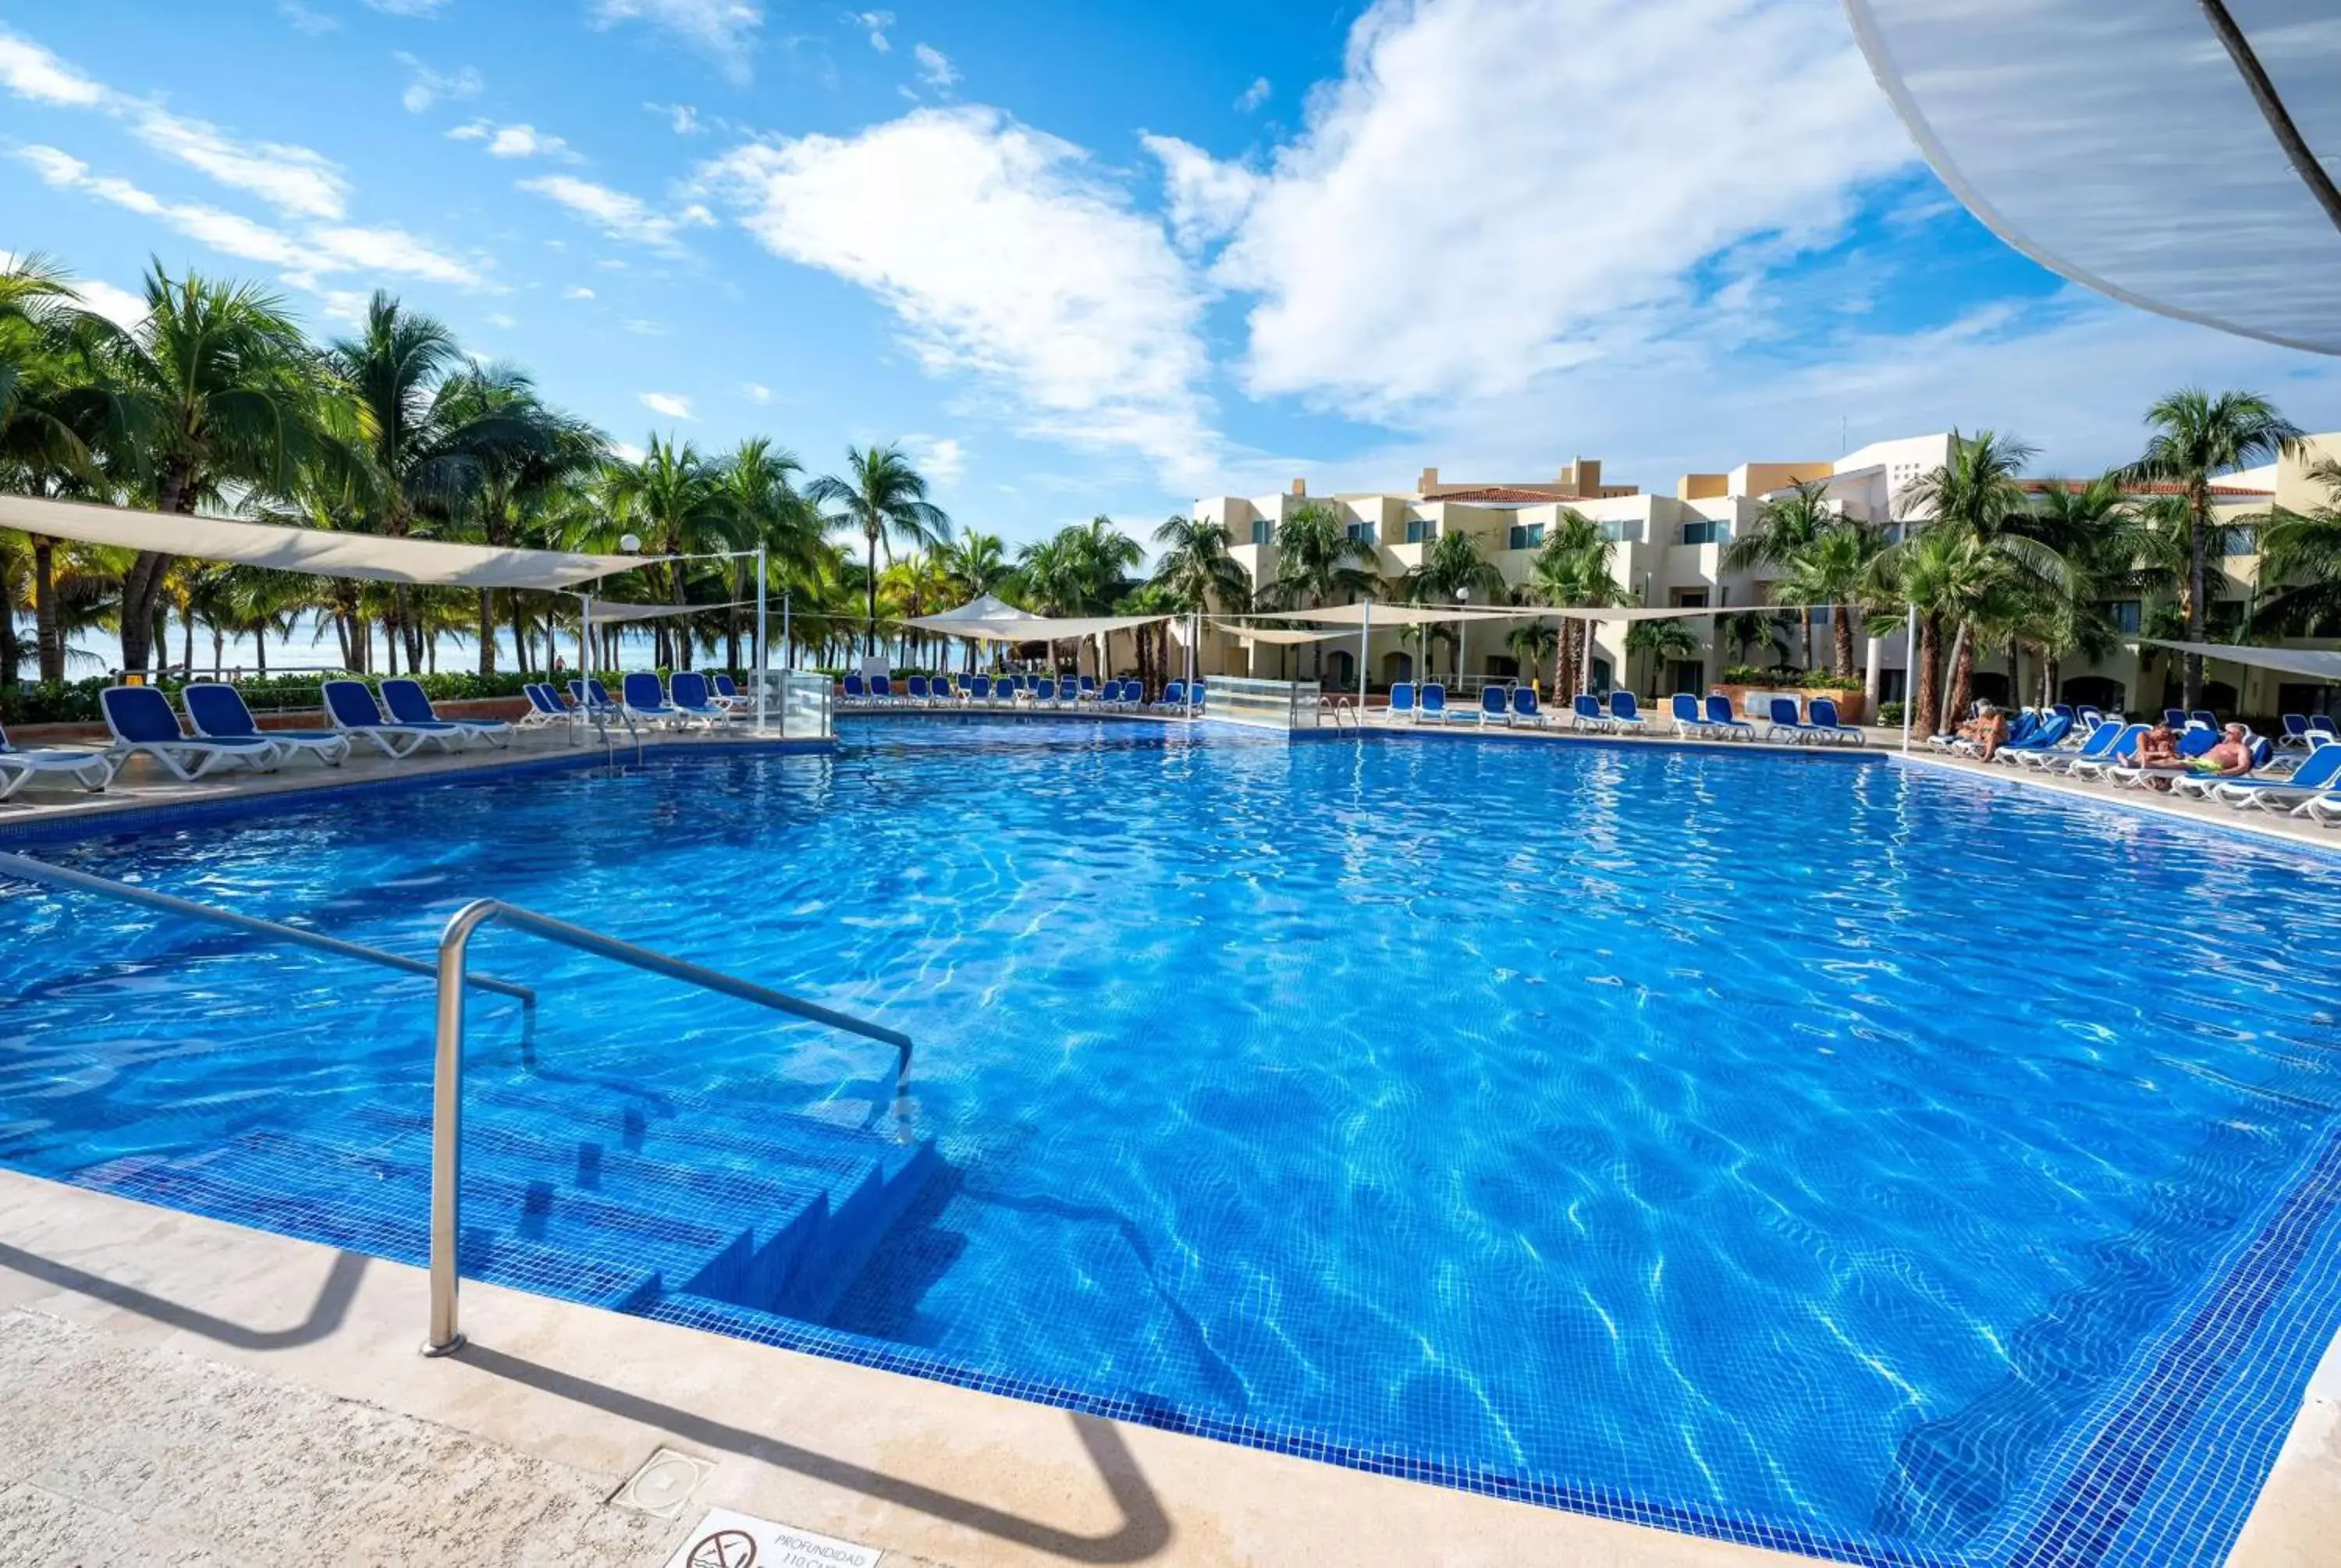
1786	721
687	690
350	706
2192	743
1525	708
2318	775
1827	725
1689	719
1402	701
93	770
410	704
642	695
219	712
2099	748
1431	703
546	708
2092	763
1720	714
1624	717
142	725
1493	705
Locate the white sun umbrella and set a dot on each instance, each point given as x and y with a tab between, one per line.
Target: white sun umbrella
2177	154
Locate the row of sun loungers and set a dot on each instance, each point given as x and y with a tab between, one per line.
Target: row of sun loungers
1010	691
2303	782
220	731
1711	718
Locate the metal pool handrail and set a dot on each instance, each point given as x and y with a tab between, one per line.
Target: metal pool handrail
26	870
447	1065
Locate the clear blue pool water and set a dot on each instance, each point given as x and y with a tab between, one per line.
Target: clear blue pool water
1803	1149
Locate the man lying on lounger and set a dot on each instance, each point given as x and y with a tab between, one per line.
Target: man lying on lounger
2230	759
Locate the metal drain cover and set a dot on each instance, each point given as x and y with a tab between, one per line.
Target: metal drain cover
664	1486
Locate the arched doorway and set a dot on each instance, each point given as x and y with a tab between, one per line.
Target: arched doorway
1341	670
2095	691
1397	667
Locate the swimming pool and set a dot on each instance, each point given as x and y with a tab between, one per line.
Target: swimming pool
1805	1150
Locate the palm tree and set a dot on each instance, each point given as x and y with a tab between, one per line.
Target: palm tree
1951	577
2300	555
2196	438
1316	558
1659	641
676	499
215	388
1571	571
1195	565
1834	567
1533	643
1977	494
1786	525
978	562
884	498
757	484
1451	567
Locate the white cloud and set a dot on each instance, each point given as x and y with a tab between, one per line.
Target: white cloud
1574	231
627	451
935	67
309	23
407	7
619	215
1253	97
427	86
940	458
875	23
669	405
498	319
723	30
31	72
119	306
306	258
292	179
756	393
682	118
579	292
1209	198
1052	289
515	141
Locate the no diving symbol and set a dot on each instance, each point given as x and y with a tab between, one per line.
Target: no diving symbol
724	1549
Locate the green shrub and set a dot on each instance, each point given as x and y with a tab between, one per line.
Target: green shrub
1889	715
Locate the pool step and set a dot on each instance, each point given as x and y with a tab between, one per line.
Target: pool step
577	1193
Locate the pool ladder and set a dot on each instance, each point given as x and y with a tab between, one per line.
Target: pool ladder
456	979
1343	711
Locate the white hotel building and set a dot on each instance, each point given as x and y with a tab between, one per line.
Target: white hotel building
1668	554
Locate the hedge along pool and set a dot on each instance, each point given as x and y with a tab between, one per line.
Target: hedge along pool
1796	1150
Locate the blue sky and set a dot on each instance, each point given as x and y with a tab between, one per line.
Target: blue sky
1098	257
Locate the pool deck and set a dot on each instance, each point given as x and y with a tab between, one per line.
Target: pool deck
176	1383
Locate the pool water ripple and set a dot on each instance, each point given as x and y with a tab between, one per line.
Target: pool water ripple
1808	1144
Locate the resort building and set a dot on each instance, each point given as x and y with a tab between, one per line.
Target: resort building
1669	553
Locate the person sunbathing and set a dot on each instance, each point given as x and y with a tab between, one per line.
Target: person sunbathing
1987	730
2230	759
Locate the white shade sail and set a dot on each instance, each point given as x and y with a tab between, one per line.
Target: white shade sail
982	607
2319	663
312	549
2138	146
1422	615
604	614
1277	636
1030	628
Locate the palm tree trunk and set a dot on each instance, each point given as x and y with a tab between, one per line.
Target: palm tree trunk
2016	670
12	652
2197	573
1842	626
48	633
2051	678
870	586
488	631
1923	685
520	632
1955	701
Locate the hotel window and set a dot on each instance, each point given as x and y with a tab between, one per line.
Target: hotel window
1263	532
1705	532
1525	536
2123	614
2239	540
1362	532
1690	599
1421	531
